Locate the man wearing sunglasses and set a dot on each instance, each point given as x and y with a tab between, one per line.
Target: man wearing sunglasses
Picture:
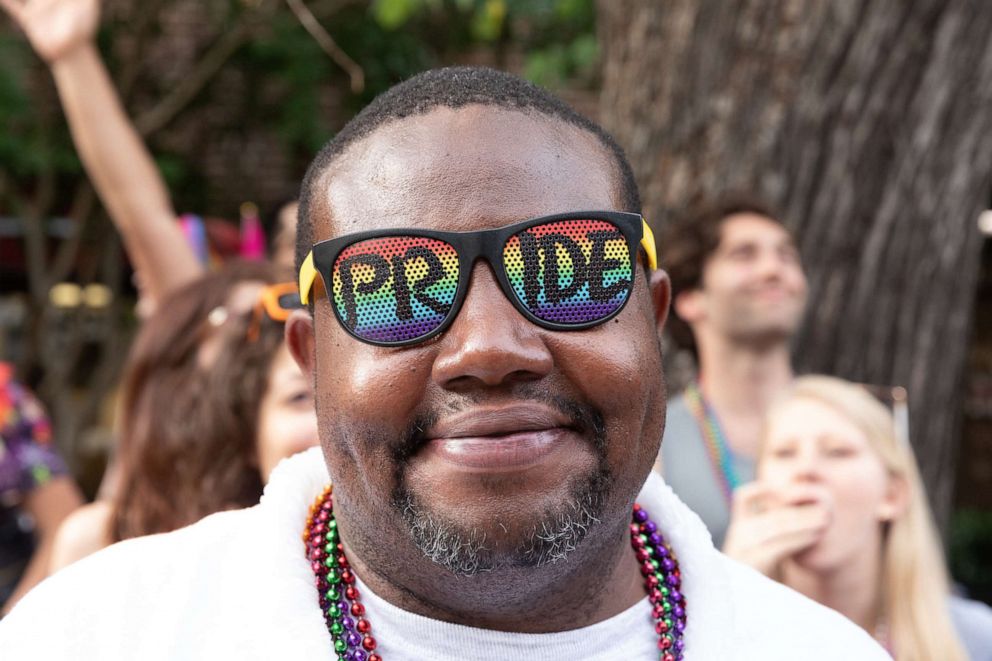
484	347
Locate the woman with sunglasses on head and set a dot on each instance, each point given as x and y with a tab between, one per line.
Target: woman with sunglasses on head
838	512
211	402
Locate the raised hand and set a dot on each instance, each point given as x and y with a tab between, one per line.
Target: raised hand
55	28
768	526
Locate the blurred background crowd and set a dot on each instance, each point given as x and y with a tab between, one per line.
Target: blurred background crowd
150	153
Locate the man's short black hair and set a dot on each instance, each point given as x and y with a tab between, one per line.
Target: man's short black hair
453	87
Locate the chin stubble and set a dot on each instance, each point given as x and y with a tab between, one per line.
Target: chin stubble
555	534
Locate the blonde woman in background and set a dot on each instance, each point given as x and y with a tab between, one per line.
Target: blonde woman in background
838	512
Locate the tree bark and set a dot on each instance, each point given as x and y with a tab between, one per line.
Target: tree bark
869	124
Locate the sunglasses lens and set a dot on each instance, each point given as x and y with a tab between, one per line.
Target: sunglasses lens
290	301
570	272
396	288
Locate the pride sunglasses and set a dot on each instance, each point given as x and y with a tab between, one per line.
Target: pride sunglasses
399	287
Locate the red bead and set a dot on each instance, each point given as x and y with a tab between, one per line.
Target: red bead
647	569
658	611
363	626
643	555
351	592
368	643
357	610
654	596
376	657
668	656
634	531
665	642
343	561
652	581
323	516
661	627
347	576
317	567
637	506
319	529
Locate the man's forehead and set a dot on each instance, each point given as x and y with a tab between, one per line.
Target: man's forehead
751	227
461	169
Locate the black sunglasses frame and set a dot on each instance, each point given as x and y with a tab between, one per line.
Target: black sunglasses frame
470	247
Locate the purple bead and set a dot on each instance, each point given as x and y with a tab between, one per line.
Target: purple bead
640	516
650	527
679	644
347	623
679	612
353	639
675	596
657	540
680	625
668	564
343	605
672	580
357	655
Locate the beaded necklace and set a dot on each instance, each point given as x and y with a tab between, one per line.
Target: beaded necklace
351	632
720	455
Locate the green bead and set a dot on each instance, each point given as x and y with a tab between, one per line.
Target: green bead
662	588
332	524
643	538
330	561
654	563
337	628
669	622
333	594
340	646
333	577
331	536
334	611
667	606
330	548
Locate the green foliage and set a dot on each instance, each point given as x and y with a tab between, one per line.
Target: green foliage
971	552
280	83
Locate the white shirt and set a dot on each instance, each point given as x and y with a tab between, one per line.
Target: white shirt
237	585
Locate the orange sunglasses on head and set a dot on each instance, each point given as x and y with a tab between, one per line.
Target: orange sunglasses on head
276	302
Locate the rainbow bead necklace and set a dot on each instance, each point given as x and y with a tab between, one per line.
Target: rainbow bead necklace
721	457
351	632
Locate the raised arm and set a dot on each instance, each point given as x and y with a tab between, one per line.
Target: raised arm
117	161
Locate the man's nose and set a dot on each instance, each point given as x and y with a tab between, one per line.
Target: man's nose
489	343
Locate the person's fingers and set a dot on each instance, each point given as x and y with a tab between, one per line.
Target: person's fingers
13	7
781	522
751	499
788	545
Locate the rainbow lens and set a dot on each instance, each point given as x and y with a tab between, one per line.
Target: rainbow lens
570	272
395	288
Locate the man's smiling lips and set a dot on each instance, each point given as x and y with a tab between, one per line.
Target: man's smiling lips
499	439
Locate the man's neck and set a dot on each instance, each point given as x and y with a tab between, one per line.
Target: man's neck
599	580
739	382
852	589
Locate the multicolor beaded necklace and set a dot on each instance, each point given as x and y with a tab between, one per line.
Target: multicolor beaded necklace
351	632
721	457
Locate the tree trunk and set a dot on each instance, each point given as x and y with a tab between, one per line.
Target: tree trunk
869	124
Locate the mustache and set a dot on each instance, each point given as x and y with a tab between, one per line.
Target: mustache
583	418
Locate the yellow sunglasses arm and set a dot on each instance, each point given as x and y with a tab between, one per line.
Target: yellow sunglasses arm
307	275
647	242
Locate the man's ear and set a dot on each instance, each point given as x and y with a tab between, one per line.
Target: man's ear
688	305
661	296
301	341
